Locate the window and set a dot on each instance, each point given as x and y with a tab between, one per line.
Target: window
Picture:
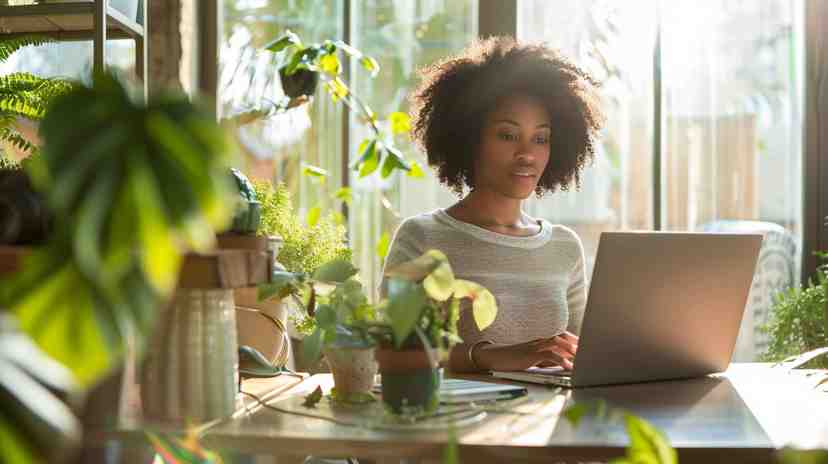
726	79
616	46
69	60
402	36
731	112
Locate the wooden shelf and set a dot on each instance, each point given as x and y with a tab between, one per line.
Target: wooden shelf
65	21
218	269
79	20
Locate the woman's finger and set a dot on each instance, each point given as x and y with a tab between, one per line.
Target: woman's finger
566	345
557	351
569	336
552	358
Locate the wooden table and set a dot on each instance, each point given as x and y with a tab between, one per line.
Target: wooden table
743	415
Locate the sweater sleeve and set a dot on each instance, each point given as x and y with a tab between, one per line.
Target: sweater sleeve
577	293
404	247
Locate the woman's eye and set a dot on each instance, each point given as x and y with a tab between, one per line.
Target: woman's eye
507	136
542	140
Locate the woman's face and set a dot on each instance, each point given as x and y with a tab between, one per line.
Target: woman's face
514	149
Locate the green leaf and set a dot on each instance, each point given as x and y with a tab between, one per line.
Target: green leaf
345	195
406	303
277	45
796	456
484	304
67	329
160	257
383	244
393	160
13	445
313	216
451	454
439	284
370	64
337	89
575	413
312	345
326	318
647	444
338	270
369	159
400	122
418	268
416	171
314	171
313	398
281	284
330	64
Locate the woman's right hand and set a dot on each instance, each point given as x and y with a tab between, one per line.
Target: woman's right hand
553	351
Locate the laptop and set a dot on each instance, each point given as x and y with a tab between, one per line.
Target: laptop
661	306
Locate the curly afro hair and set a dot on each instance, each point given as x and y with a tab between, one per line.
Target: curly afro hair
456	94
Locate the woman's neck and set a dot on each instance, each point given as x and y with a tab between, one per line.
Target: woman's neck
490	210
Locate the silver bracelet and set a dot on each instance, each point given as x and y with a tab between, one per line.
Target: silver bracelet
471	352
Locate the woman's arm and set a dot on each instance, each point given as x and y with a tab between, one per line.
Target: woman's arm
558	350
576	294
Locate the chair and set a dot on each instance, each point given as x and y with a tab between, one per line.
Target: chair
776	270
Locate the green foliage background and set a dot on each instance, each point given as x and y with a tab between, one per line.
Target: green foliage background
798	323
305	248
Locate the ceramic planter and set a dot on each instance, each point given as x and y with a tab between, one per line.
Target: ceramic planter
353	370
191	368
410	381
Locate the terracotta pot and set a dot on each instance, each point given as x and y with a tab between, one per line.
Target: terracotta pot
410	380
262	325
353	369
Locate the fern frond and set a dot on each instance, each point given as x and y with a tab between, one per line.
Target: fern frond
8	164
9	46
20	82
24	104
16	139
29	95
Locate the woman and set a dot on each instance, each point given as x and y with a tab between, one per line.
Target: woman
506	120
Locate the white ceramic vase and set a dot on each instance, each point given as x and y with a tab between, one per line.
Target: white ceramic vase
191	367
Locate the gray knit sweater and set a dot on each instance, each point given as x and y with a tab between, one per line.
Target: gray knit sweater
539	281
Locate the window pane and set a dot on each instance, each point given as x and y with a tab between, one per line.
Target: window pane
732	135
402	36
276	148
614	41
733	113
68	60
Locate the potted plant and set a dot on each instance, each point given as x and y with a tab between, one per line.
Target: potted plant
798	322
343	327
338	319
132	186
300	250
302	66
421	314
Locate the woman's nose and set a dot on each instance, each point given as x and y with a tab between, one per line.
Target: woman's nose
524	153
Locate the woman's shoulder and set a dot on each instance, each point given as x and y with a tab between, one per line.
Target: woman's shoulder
561	232
420	224
562	237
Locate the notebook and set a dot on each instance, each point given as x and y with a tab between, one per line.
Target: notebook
542	375
455	391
